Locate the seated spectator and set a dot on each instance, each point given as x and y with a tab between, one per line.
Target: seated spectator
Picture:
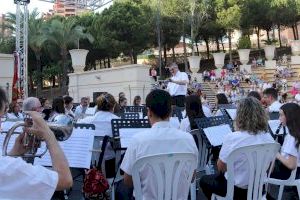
270	96
251	129
102	120
81	109
160	139
14	112
57	108
137	101
194	110
288	158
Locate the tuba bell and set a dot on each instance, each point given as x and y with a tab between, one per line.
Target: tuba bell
62	126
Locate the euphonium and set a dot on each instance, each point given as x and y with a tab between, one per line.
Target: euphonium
61	126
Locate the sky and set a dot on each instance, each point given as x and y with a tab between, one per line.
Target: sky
9	6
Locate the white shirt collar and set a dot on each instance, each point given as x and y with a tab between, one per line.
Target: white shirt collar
161	124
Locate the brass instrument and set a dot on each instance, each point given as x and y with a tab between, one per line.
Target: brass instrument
61	126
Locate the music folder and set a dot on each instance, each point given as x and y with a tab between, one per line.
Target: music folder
216	134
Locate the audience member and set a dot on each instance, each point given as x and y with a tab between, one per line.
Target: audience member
160	139
14	112
20	180
251	129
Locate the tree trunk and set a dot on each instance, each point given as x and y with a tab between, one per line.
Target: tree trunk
223	48
64	86
207	47
108	61
197	48
165	55
39	73
230	46
279	35
134	55
173	54
218	44
185	56
268	35
258	37
53	81
294	32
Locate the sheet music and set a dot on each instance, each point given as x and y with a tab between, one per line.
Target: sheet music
5	126
274	124
216	134
10	144
77	149
126	135
231	113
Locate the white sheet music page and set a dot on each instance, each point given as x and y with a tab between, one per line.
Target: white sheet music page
10	144
274	124
77	149
216	134
126	135
232	113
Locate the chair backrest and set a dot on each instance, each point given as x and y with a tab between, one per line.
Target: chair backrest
130	115
202	148
167	169
259	158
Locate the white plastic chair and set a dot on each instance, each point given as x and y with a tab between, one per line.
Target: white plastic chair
167	169
202	160
291	181
259	159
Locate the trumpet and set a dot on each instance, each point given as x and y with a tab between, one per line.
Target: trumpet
61	126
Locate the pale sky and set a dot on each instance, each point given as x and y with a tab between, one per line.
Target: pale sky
9	6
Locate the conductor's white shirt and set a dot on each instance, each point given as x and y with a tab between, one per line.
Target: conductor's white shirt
176	89
161	138
22	181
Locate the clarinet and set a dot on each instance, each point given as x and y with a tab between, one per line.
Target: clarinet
278	129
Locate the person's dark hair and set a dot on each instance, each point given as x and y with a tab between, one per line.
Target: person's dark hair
106	102
271	92
292	113
3	99
58	105
11	107
68	99
193	109
136	98
222	99
42	100
254	94
121	99
159	102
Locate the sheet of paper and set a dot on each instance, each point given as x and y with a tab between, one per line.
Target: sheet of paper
216	134
77	149
5	126
274	124
232	113
126	135
10	144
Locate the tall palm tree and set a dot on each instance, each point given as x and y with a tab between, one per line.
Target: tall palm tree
36	40
66	34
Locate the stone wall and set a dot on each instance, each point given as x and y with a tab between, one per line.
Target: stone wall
6	72
131	79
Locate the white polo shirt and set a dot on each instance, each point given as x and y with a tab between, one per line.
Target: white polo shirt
176	89
161	138
289	148
22	181
236	140
275	106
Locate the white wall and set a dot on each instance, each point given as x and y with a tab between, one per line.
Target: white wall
6	72
131	79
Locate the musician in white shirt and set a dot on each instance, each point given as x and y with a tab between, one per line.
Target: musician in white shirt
161	138
14	112
270	96
102	121
81	109
177	86
20	180
251	125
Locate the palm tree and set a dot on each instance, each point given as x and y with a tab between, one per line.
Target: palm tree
65	34
36	40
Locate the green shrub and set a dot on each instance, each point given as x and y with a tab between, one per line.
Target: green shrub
244	42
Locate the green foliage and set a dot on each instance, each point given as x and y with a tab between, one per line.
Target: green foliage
270	42
244	42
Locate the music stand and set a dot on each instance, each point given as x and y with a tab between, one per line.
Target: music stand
136	109
133	115
86	126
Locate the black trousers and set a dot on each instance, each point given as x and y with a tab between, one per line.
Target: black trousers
178	100
217	184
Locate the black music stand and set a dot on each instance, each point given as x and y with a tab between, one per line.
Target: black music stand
136	109
84	126
128	115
